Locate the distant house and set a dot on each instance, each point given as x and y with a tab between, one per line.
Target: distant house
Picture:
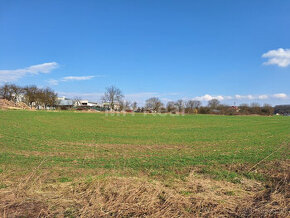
64	103
282	109
107	106
86	103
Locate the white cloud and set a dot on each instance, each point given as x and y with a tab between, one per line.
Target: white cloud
228	97
208	97
280	95
262	97
54	82
13	75
280	57
67	78
249	97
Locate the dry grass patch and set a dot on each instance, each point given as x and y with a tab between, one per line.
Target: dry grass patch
105	196
137	197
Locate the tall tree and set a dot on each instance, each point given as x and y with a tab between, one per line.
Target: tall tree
31	95
113	95
48	97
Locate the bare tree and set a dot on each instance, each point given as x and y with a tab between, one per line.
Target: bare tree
134	106
180	105
112	95
16	92
77	101
193	104
170	107
48	97
30	94
5	91
154	104
213	104
124	105
10	92
255	108
267	109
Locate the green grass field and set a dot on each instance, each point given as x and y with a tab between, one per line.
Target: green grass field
68	147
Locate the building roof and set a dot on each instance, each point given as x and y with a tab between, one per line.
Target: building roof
65	103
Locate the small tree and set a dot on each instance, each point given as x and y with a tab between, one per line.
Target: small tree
255	108
170	107
267	109
112	95
124	105
192	105
5	91
134	106
154	104
16	92
213	104
180	105
244	108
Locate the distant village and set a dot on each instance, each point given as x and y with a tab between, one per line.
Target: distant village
64	103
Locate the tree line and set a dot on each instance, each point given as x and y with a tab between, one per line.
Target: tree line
31	95
115	97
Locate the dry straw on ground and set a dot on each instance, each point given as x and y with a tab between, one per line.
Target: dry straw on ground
197	196
5	104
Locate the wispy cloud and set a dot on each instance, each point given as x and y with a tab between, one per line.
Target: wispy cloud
14	75
70	78
262	97
280	57
55	82
249	97
280	95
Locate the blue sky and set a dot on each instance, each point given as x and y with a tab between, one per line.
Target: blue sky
236	51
